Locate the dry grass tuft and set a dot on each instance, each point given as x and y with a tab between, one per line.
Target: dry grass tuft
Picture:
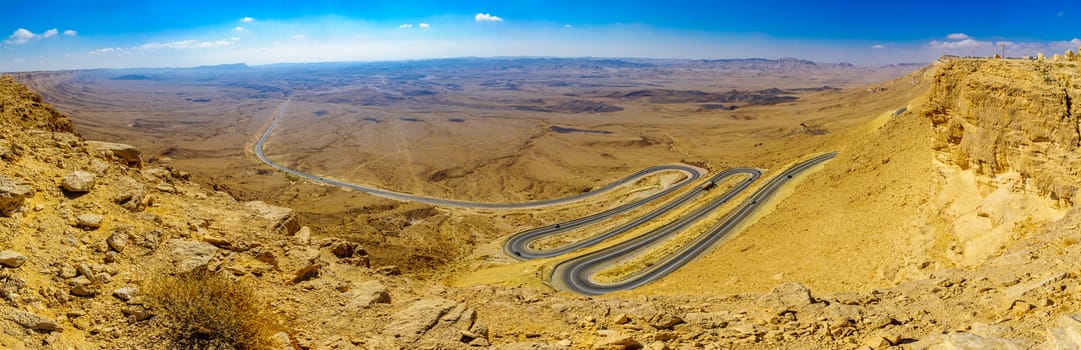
207	310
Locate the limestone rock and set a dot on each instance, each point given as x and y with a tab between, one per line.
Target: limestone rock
665	321
303	236
89	221
12	194
389	270
708	320
190	254
1016	292
368	293
118	241
785	297
306	273
280	341
126	153
10	258
85	291
125	293
79	182
964	341
1067	335
613	340
411	323
34	322
136	313
131	194
281	219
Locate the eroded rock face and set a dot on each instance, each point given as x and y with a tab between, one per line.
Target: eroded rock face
996	116
13	193
126	153
1006	143
437	323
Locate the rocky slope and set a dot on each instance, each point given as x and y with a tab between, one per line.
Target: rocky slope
87	228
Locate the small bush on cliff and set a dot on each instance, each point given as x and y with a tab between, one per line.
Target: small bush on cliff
207	310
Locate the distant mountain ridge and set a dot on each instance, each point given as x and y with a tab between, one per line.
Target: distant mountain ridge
780	64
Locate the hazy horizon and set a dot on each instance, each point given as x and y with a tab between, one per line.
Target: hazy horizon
57	35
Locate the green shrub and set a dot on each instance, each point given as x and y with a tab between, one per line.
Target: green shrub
207	310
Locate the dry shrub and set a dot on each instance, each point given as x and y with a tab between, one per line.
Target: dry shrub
207	310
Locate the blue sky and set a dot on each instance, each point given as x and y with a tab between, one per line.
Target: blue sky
47	34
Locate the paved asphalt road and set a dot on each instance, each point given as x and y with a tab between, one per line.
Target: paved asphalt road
692	173
517	246
574	274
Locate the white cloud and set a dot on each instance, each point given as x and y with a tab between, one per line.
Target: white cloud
959	44
238	29
878	46
234	39
70	32
208	44
405	26
185	44
568	26
487	17
23	36
958	36
247	20
104	51
20	36
424	26
1060	14
298	36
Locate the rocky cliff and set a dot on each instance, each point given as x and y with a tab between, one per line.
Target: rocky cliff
1005	135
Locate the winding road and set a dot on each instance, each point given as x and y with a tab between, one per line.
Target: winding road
518	246
574	274
692	174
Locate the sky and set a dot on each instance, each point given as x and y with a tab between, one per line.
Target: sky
56	35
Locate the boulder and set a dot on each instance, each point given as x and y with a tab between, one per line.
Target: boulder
368	293
410	324
279	341
389	270
709	320
131	194
785	297
125	293
665	321
79	182
89	221
1066	336
10	258
613	340
118	241
126	153
34	322
188	255
303	236
282	220
12	194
